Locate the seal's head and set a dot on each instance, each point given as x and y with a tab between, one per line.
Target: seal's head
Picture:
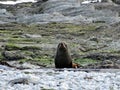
62	46
63	58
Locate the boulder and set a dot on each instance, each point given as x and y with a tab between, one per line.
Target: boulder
12	55
18	81
116	1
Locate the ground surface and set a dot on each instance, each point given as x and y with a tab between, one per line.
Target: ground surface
50	79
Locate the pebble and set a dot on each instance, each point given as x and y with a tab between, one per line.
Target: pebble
60	80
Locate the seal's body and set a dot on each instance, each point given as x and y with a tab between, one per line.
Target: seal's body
63	58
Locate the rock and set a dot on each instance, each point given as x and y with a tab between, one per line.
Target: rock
94	39
106	64
18	81
116	1
5	63
110	7
42	0
32	36
30	79
106	1
2	67
12	55
115	45
102	56
23	65
45	11
58	36
6	16
109	64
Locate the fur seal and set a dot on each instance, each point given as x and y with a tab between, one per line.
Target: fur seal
63	58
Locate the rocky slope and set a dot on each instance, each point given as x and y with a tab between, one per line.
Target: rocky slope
30	32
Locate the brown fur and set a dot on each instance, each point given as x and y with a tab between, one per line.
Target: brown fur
75	65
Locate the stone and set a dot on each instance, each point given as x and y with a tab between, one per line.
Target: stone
18	81
12	55
116	1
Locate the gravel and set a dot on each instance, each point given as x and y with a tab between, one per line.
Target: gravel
39	79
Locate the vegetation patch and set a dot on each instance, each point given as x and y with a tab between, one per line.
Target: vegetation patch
12	46
23	61
1	57
43	61
53	28
85	61
14	38
20	40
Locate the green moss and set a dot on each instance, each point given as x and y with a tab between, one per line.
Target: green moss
11	46
53	28
1	57
48	32
5	31
23	61
30	48
47	89
45	60
112	51
15	40
85	61
73	27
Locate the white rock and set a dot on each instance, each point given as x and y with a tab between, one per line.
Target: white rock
64	80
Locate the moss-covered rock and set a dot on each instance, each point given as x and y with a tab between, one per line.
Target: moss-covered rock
12	55
88	43
11	46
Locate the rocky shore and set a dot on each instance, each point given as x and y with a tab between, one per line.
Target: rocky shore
48	79
30	32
